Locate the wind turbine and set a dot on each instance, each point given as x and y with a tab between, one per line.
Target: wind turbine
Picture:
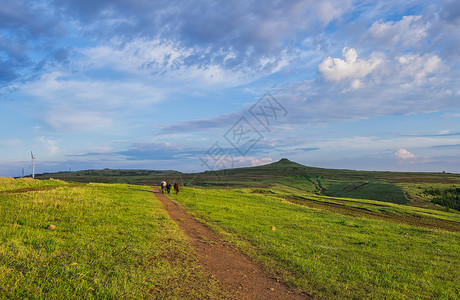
33	164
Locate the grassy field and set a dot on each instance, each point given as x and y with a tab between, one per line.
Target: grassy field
337	233
67	241
338	248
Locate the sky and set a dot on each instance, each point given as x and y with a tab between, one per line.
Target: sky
205	85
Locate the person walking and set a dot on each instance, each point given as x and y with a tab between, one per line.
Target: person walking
176	187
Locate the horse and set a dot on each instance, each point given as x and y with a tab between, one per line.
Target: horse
168	187
163	186
176	187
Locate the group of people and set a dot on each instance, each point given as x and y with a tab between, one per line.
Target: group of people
166	187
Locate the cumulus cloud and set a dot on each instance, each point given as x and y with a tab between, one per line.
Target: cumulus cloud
419	68
408	70
404	154
351	67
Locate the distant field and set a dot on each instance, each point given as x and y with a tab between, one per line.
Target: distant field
338	248
109	242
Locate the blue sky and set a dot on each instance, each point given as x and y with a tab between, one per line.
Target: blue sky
196	85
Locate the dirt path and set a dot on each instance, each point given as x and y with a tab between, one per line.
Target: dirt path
239	276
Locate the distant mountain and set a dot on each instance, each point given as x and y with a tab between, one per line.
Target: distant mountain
283	163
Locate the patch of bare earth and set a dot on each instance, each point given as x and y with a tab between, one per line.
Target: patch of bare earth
239	276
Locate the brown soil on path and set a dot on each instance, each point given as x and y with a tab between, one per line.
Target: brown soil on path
240	277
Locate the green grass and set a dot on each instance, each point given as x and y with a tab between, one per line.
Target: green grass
331	255
110	242
372	190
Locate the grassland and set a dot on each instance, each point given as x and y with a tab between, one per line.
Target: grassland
333	253
338	233
107	241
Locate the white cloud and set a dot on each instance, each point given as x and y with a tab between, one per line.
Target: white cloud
245	161
356	84
137	55
330	10
375	143
68	120
419	68
162	59
451	115
83	104
50	146
445	131
407	32
260	161
404	154
351	67
57	88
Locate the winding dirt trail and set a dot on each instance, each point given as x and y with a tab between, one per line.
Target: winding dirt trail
238	275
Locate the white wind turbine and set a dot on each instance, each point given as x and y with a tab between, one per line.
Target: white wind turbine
33	164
